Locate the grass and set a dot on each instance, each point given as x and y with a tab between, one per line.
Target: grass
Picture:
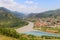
2	37
11	34
48	28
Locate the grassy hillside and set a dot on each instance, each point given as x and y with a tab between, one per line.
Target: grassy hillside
7	19
50	13
46	14
2	37
19	14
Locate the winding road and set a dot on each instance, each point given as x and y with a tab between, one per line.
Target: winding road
27	28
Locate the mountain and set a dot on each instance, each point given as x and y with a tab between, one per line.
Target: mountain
9	20
51	13
31	15
19	15
4	9
45	14
5	14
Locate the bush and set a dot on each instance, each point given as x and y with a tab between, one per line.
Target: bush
9	32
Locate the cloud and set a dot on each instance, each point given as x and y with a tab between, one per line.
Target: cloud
7	3
12	5
29	2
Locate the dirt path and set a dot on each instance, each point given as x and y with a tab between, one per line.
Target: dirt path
27	28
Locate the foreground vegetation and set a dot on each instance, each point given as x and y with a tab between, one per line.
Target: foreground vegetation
3	37
11	33
12	23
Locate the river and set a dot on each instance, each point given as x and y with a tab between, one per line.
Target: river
29	30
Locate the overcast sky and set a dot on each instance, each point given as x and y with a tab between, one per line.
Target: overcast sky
29	6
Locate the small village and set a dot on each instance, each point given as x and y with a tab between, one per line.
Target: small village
51	25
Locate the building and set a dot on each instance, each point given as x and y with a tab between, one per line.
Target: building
40	23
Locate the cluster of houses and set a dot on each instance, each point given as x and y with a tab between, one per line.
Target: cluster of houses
47	23
40	23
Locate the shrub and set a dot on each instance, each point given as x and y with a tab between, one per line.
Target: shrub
9	32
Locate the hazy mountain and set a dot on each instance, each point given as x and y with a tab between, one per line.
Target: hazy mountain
4	9
50	13
31	15
17	14
9	20
5	14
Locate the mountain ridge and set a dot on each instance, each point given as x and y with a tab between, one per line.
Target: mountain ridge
45	14
15	13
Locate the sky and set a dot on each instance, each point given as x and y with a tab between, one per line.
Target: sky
30	6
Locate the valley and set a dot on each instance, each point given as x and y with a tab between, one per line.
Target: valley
27	28
29	19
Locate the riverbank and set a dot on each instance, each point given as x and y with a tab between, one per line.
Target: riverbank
49	30
27	28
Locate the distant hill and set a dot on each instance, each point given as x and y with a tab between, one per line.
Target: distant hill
5	14
51	13
31	15
9	20
4	9
19	15
15	13
45	14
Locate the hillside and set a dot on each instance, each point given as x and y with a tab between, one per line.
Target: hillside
51	13
15	13
8	19
19	15
4	14
45	14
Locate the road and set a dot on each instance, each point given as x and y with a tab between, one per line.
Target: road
27	28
